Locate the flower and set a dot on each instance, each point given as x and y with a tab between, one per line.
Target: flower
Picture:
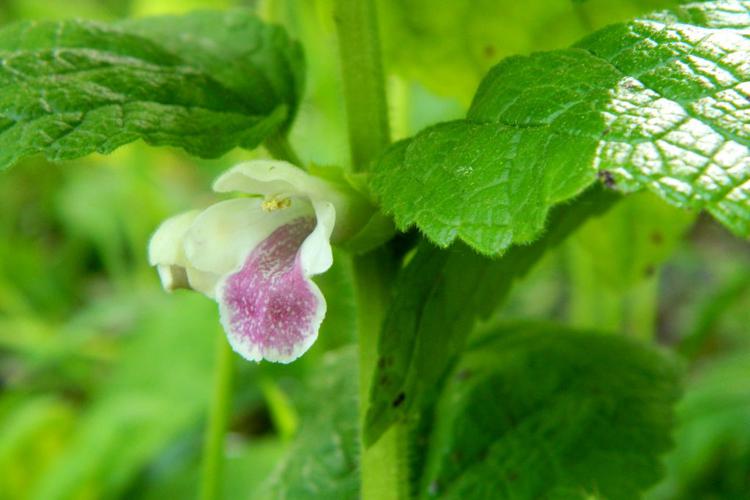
255	255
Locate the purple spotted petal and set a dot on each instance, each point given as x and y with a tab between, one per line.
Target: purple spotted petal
269	308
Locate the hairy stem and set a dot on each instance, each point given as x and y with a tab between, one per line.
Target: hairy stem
364	85
213	449
382	465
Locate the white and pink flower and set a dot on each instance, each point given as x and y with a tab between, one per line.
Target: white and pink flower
256	255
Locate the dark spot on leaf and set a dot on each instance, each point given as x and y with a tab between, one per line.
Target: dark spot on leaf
630	84
399	400
512	475
381	363
657	238
489	51
384	379
463	375
606	178
649	271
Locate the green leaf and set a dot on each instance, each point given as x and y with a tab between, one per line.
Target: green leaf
71	88
543	412
438	296
256	61
658	103
323	460
449	45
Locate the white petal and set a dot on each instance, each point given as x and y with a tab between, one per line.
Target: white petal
202	281
316	254
165	247
279	179
222	235
165	250
274	178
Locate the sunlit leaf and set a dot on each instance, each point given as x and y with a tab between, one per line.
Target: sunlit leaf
658	103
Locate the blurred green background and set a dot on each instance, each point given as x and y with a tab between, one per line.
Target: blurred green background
105	380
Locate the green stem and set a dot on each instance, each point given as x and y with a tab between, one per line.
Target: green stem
364	85
278	146
382	465
213	449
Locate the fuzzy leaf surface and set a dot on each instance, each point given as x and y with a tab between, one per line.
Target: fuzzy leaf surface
71	88
438	296
659	103
254	60
538	411
323	461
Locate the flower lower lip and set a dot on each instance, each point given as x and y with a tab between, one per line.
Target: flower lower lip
269	308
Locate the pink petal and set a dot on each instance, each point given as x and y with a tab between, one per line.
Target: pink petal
270	309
